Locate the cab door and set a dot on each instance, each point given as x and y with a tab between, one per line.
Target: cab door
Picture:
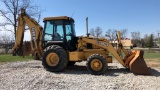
71	38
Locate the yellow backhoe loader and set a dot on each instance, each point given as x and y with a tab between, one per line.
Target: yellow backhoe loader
58	46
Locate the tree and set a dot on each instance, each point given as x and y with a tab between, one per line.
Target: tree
136	39
13	9
145	39
123	33
92	32
111	33
135	35
96	32
150	41
6	42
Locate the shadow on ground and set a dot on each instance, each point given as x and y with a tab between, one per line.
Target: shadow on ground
111	71
154	72
76	69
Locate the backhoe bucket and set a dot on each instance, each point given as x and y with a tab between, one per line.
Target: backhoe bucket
24	50
137	65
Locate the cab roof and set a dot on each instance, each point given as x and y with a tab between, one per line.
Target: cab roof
58	18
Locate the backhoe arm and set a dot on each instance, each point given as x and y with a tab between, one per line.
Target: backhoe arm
35	31
19	34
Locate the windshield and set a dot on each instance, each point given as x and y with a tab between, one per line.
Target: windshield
53	30
58	30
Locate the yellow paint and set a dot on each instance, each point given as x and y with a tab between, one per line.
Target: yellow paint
83	55
52	59
96	65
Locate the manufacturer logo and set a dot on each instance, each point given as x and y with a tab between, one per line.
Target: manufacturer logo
102	43
33	34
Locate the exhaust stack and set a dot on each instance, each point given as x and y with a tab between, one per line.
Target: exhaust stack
87	27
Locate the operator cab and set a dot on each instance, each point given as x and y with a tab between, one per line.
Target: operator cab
59	31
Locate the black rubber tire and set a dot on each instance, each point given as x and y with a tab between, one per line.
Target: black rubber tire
100	58
63	59
71	63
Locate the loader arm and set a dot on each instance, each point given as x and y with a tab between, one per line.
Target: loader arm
36	35
105	45
133	60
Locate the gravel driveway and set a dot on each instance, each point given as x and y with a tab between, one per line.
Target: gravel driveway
32	76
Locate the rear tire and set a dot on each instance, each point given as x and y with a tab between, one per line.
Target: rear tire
96	64
55	59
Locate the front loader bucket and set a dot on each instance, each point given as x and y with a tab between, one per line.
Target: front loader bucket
137	65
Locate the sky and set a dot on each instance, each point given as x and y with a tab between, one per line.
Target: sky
134	15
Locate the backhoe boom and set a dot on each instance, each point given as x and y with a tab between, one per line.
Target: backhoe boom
36	36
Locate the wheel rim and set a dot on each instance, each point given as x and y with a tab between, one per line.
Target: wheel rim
52	59
96	64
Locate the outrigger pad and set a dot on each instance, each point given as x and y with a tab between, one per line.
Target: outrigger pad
137	65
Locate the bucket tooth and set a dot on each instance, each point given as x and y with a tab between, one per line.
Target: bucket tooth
137	65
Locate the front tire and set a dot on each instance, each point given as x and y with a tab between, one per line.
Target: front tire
55	59
96	64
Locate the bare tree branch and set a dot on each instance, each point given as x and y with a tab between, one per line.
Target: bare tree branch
96	32
8	6
111	33
4	15
6	41
92	32
5	24
123	33
13	8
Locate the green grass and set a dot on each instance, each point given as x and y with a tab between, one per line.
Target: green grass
148	55
151	55
10	58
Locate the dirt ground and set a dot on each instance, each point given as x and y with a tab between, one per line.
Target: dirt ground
31	75
155	63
